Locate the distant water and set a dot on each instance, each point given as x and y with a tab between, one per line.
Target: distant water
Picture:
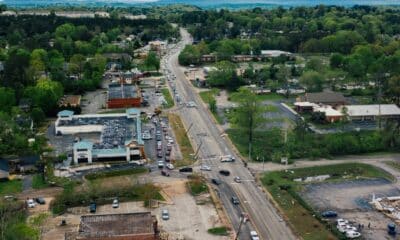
200	3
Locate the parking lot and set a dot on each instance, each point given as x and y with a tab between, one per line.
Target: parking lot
351	201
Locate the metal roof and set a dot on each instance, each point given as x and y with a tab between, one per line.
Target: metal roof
122	91
84	144
373	110
65	113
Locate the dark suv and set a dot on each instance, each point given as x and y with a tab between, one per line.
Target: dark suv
224	172
235	200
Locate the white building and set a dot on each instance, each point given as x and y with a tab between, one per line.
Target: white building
373	111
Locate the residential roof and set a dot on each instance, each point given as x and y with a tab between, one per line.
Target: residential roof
324	97
65	113
26	160
84	144
329	111
4	169
97	226
274	53
373	110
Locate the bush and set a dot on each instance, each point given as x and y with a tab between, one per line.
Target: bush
220	231
116	173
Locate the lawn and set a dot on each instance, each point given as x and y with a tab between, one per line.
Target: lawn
123	172
38	182
285	192
265	97
168	98
182	139
219	231
10	187
197	185
207	97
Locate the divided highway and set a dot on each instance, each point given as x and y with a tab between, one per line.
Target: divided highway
264	218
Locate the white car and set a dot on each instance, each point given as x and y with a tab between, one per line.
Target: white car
227	158
353	234
160	164
205	168
345	228
31	203
115	203
191	104
170	166
237	179
146	136
341	221
254	235
171	141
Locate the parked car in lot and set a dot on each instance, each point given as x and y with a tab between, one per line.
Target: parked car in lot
168	152
205	168
169	146
160	164
115	203
40	200
216	181
186	169
235	200
329	214
224	172
31	203
170	166
353	234
92	208
165	214
165	173
254	235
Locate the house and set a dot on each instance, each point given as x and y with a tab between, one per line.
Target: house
333	99
159	46
126	226
4	170
331	115
208	58
70	101
372	112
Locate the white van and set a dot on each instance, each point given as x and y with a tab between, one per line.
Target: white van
353	234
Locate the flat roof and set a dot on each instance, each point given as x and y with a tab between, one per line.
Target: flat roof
324	97
373	110
118	91
116	224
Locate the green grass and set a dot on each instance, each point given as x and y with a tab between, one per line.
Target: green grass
38	182
10	187
168	98
197	185
208	96
132	171
271	108
219	231
265	97
182	139
284	190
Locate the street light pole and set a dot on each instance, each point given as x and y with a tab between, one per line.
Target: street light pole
240	226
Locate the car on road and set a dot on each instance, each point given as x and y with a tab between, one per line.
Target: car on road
329	214
237	179
40	200
254	235
31	203
146	136
227	158
168	153
167	158
92	208
165	214
216	181
186	169
235	200
159	154
191	104
170	166
115	203
224	172
205	168
169	146
160	164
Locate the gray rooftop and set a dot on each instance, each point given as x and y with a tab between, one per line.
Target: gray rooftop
118	91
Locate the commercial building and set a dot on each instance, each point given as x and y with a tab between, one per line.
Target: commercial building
123	95
372	112
333	99
274	53
114	137
127	226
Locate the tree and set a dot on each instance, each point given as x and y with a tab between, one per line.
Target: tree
394	88
7	99
224	76
45	94
152	61
336	60
248	116
190	55
312	80
315	64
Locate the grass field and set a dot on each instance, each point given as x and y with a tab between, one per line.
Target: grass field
220	231
168	98
284	190
10	187
207	97
197	185
266	97
38	182
182	139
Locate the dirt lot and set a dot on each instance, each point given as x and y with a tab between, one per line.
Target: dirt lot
351	201
187	219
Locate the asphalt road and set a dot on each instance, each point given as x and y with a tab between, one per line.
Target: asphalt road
263	216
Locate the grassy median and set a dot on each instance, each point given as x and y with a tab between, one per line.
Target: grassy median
168	98
182	139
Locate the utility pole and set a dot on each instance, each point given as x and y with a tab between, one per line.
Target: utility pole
240	226
249	151
191	125
198	149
